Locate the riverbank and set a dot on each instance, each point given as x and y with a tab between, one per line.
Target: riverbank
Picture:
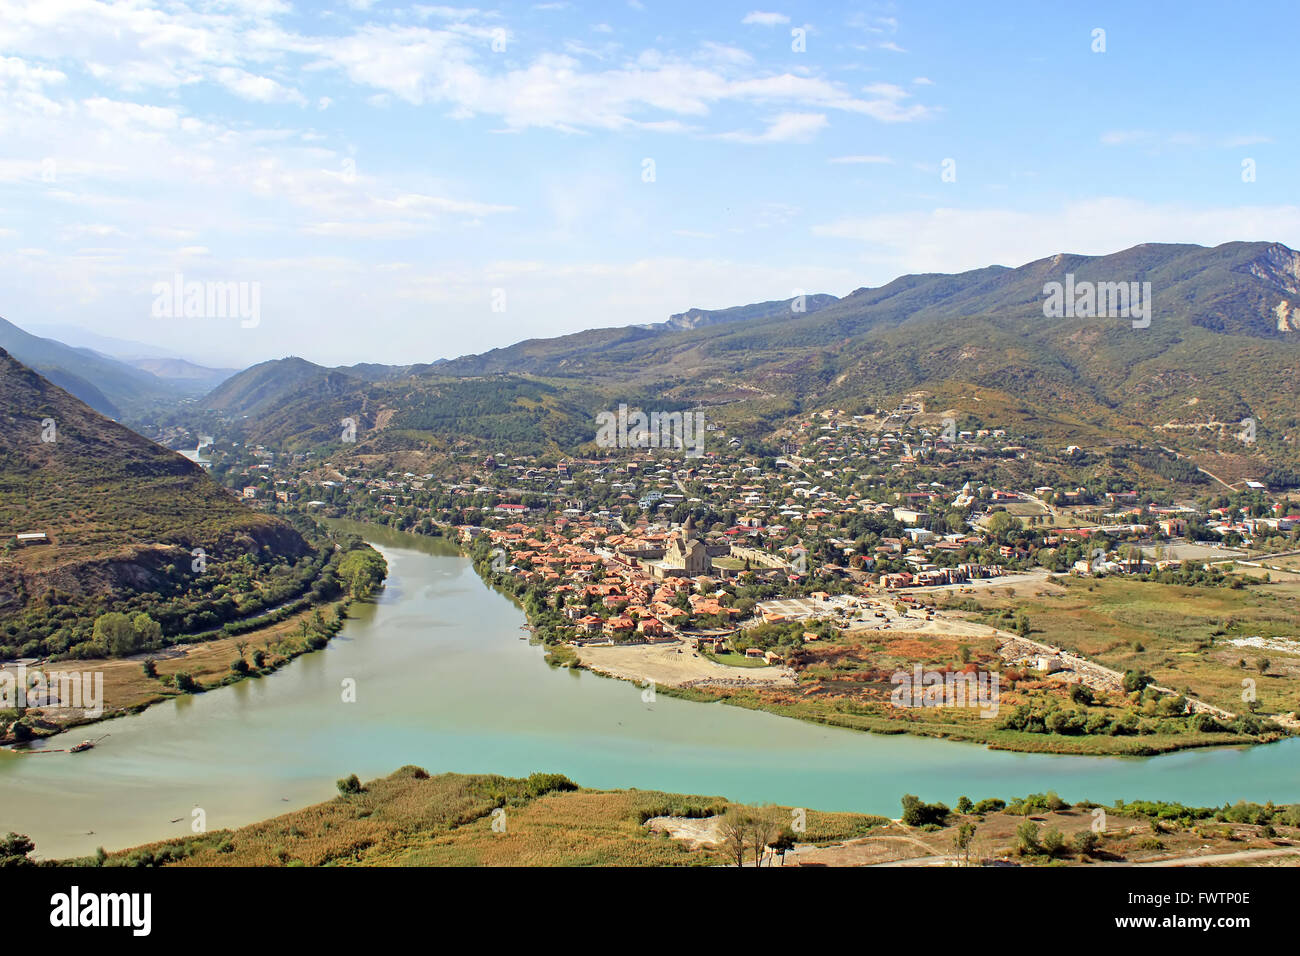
187	668
413	818
850	680
442	680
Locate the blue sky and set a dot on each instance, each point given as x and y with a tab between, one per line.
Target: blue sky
386	172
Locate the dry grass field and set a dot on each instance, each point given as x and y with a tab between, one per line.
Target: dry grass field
413	819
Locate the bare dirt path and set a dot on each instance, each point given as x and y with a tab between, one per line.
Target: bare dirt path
677	664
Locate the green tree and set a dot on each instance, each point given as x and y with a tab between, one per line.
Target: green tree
962	840
115	633
14	848
1027	837
148	632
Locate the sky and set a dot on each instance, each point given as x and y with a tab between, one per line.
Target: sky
399	183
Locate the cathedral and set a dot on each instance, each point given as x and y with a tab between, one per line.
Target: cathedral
686	554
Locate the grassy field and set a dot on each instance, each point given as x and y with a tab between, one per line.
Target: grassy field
847	681
1177	634
736	660
413	819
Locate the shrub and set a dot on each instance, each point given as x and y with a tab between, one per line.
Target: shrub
1085	842
543	783
349	785
1027	837
918	814
1053	843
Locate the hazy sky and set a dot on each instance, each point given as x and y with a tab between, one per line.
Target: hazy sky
409	182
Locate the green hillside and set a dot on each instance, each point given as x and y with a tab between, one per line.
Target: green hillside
123	518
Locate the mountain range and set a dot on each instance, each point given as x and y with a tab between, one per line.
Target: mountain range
112	386
1223	345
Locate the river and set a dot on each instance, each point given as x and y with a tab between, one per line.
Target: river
444	681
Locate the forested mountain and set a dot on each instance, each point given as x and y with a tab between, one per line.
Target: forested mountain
1222	344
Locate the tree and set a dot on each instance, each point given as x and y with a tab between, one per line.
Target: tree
1027	837
919	814
115	633
962	839
734	830
964	805
148	632
764	828
783	844
14	848
1000	523
1135	680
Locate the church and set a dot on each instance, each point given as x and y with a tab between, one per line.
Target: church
686	555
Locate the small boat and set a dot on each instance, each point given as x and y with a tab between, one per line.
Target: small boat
84	745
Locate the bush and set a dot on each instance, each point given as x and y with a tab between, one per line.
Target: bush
349	785
1053	843
1085	842
1027	838
918	814
544	783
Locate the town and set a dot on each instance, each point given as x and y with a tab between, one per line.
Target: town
724	572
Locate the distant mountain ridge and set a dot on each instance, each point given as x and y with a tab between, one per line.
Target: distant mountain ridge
699	318
111	387
1222	345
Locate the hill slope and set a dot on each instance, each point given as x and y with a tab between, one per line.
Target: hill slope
122	513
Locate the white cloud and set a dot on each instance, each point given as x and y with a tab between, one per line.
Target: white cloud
258	89
785	128
856	160
953	240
